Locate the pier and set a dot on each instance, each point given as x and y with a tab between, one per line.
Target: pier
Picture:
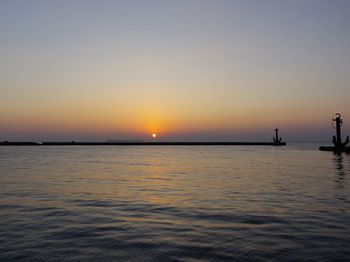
277	141
142	144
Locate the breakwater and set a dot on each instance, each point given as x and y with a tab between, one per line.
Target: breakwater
73	143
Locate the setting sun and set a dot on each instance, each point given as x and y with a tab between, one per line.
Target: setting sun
154	135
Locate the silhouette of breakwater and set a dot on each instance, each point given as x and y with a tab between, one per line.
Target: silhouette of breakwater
277	141
73	143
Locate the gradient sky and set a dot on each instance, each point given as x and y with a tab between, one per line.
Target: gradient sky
185	69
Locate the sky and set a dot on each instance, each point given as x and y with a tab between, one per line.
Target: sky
189	70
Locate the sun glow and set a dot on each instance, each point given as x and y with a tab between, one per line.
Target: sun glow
154	135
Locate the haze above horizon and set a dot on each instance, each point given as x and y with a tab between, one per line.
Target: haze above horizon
184	70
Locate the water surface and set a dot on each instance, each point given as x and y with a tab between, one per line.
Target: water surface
174	203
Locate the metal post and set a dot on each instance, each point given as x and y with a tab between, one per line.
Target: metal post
277	139
338	123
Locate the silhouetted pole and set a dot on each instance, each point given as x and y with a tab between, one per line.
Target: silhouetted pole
337	140
338	123
277	139
276	134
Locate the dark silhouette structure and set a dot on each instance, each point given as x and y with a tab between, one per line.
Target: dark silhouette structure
337	140
224	143
277	140
339	146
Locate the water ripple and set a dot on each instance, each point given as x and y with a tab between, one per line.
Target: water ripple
173	204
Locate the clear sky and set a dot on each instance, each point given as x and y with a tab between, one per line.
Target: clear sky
185	69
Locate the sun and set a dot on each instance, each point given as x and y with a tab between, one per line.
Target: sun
154	135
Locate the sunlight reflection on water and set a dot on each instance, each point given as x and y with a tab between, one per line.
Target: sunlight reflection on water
173	203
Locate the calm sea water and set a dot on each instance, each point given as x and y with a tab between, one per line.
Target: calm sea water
204	203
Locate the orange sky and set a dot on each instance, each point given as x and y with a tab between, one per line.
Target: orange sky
185	70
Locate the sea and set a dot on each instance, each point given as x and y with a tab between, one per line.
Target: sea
174	203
